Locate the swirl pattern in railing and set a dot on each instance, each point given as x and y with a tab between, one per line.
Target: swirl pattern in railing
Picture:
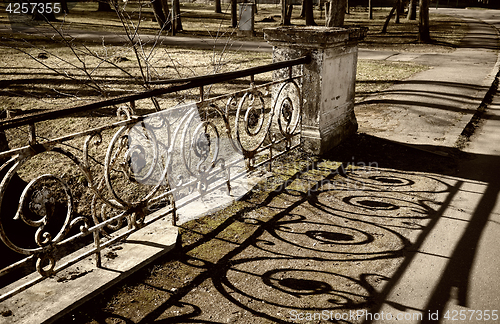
101	184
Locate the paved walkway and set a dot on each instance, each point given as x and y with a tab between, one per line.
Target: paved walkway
433	107
456	261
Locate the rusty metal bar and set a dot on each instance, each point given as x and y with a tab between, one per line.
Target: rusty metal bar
223	77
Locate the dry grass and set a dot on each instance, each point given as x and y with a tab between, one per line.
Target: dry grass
375	76
28	86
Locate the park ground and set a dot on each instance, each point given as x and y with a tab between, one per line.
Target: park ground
318	234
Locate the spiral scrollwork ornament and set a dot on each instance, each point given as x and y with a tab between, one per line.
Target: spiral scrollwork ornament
288	105
255	120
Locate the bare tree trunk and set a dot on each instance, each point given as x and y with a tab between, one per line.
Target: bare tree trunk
46	16
412	10
176	16
64	6
104	6
398	11
286	13
167	14
161	19
218	6
309	13
335	13
162	14
288	16
423	22
370	9
328	14
386	24
234	15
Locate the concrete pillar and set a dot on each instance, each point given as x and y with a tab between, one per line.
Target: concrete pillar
328	82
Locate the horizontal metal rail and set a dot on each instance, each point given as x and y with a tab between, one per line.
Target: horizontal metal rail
185	84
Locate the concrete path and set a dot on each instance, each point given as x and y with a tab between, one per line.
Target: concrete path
453	274
166	41
433	107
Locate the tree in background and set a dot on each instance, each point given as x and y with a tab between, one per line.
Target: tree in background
46	15
423	22
162	13
335	13
104	6
394	9
412	10
286	12
234	16
308	12
176	16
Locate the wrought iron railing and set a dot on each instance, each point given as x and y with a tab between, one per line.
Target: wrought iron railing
76	194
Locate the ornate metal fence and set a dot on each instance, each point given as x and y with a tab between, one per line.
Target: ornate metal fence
65	197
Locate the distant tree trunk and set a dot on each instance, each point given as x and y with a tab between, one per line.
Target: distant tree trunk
370	9
162	14
398	11
286	13
176	16
167	14
161	19
104	6
335	13
386	24
309	13
288	16
234	16
64	6
218	6
423	22
412	10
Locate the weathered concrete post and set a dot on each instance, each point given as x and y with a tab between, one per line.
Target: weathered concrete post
328	82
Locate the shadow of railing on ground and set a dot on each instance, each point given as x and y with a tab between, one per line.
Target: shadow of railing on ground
331	240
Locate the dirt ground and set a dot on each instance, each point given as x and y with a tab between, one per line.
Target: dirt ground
313	243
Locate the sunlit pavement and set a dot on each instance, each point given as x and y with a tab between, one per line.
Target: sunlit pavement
452	275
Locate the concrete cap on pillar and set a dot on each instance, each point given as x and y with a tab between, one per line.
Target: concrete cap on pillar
313	36
328	82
